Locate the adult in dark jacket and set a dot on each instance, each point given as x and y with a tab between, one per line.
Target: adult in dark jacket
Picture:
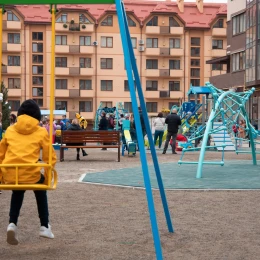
76	127
173	121
103	124
142	122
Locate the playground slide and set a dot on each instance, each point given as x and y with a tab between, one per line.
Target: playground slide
192	121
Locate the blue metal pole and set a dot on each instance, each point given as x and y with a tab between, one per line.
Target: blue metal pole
126	47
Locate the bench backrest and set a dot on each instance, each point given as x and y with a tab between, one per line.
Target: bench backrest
89	136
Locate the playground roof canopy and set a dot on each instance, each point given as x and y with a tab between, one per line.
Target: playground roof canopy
199	90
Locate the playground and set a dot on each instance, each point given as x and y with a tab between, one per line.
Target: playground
107	222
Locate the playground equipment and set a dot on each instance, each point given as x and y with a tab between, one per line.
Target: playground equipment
128	143
228	107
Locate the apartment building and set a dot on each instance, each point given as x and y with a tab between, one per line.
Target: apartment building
171	42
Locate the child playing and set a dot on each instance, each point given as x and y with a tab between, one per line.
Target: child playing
22	144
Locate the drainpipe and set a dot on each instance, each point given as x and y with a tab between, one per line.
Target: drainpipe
25	25
184	65
141	57
95	73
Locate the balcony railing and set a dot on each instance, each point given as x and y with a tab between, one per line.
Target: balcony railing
165	51
164	29
164	72
74	93
74	71
74	49
164	94
74	27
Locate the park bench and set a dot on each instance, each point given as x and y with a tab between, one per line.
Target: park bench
89	139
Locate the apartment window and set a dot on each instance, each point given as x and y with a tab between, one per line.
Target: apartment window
39	101
174	86
106	85
61	105
37	80
151	85
219	24
134	42
194	41
106	63
126	86
239	23
153	21
195	82
108	21
238	61
13	60
37	92
195	62
37	70
128	107
62	19
175	43
37	47
85	62
37	58
11	16
61	83
38	36
173	22
14	83
14	38
83	19
107	104
85	84
217	66
151	107
85	106
194	51
106	42
61	62
61	40
130	22
152	43
175	64
171	104
217	44
84	40
14	104
151	64
195	72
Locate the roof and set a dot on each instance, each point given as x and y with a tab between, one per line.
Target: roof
199	90
219	60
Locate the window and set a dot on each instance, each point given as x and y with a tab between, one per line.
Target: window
106	42
151	85
84	40
126	86
175	43
37	81
134	42
217	44
37	58
39	102
61	83
195	82
11	16
195	72
37	92
173	22
106	63
85	62
174	86
151	64
61	62
195	62
14	104
14	38
106	85
219	24
61	105
38	36
153	21
14	83
13	60
194	41
128	107
83	19
238	61
107	104
108	21
217	66
130	22
37	47
85	84
37	70
62	18
152	43
85	106
174	64
239	23
171	104
61	40
151	106
194	51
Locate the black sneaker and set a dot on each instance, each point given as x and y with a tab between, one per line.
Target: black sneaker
174	153
78	157
163	152
84	153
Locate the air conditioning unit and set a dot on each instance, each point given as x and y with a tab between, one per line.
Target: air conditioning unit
95	43
141	48
141	42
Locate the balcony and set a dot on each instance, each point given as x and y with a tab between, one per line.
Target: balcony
74	93
152	94
176	73
87	49
74	71
164	29
62	71
74	27
217	72
176	30
152	73
164	94
62	49
88	27
12	47
218	53
74	49
12	25
14	92
87	93
164	72
61	27
86	71
219	32
164	51
152	51
176	94
152	30
61	93
11	69
176	52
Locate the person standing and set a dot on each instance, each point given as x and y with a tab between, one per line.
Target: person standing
103	124
159	124
173	121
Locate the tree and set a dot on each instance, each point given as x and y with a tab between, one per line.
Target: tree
5	108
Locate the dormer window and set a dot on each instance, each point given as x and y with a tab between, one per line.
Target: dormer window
173	22
131	23
11	16
219	23
62	19
108	21
83	19
153	21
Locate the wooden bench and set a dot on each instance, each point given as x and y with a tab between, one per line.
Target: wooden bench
95	139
